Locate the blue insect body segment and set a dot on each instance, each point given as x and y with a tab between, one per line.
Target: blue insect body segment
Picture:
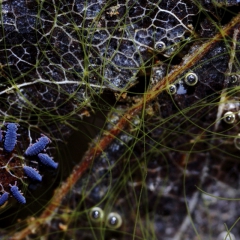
10	137
38	146
17	194
32	173
4	198
46	160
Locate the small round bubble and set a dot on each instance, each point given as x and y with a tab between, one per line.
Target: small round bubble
233	79
96	214
191	79
172	89
114	220
229	117
160	46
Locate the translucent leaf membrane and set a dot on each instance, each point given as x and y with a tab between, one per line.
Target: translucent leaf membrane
166	164
54	51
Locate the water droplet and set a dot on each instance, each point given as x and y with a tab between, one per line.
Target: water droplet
172	89
160	46
233	79
96	214
229	117
191	79
114	220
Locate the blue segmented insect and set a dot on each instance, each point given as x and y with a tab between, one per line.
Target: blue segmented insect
4	198
46	160
10	137
38	146
17	194
32	173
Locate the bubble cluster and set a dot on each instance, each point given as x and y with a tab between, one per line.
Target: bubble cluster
182	86
113	220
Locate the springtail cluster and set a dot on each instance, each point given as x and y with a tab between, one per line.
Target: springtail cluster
8	138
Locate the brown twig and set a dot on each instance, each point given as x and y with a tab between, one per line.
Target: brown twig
107	138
